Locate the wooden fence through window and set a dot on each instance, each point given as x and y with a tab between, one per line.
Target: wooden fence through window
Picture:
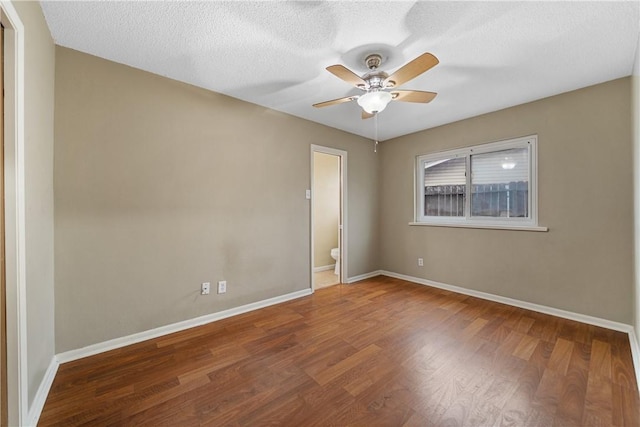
493	200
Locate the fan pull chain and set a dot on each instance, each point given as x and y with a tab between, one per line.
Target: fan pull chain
375	141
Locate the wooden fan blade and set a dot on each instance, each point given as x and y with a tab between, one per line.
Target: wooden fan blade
347	75
413	96
334	102
366	115
411	70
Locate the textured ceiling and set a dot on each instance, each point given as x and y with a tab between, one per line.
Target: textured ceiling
492	55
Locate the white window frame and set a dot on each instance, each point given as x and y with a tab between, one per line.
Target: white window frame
529	224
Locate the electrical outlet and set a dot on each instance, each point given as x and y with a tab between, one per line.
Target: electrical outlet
205	289
420	262
222	286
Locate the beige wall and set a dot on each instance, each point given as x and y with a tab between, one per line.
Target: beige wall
326	207
39	63
584	264
160	186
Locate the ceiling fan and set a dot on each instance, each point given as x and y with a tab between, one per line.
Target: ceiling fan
377	84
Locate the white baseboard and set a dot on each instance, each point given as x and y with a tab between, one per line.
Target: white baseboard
596	321
90	350
43	391
324	268
364	276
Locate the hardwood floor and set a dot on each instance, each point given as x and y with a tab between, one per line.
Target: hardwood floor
382	352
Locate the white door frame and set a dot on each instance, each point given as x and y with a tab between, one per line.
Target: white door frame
343	209
16	301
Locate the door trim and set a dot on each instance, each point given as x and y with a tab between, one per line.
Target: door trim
343	210
4	407
14	188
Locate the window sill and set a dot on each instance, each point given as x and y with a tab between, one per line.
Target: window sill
487	226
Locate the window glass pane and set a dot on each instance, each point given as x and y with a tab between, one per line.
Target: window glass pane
444	187
500	184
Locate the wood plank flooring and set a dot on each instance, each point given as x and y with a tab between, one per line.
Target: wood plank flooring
382	352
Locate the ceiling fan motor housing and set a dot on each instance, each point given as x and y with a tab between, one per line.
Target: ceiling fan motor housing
375	80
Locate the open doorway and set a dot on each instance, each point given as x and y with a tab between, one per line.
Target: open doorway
328	233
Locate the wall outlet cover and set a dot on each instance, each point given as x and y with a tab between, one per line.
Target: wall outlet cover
205	289
222	286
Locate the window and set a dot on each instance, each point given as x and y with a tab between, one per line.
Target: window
490	185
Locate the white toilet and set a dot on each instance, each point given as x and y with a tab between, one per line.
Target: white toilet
335	254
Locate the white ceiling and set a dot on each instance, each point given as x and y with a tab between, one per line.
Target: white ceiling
492	54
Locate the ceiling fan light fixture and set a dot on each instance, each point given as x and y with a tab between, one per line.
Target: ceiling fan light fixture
374	102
